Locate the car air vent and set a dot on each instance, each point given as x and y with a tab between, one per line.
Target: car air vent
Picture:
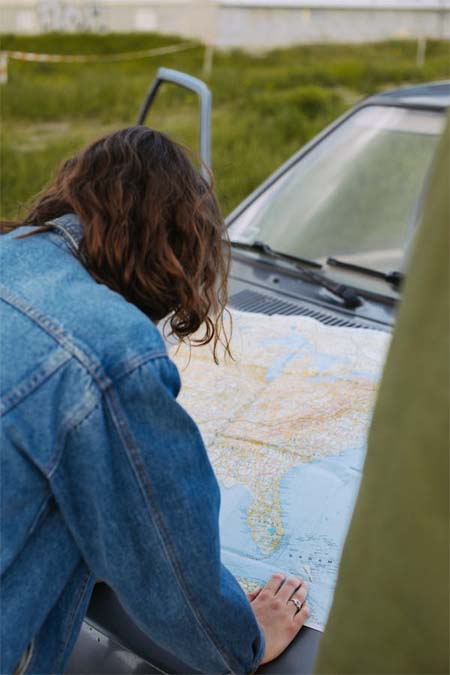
250	301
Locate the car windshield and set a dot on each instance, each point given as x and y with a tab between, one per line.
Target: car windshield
354	196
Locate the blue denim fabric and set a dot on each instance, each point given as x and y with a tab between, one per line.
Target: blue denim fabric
103	474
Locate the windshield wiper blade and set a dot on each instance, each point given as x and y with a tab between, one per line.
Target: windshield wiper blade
394	278
261	247
348	295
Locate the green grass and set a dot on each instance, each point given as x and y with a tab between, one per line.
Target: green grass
264	106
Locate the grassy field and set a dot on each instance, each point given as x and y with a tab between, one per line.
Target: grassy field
264	106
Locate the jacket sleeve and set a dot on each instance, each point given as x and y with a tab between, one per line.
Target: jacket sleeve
138	493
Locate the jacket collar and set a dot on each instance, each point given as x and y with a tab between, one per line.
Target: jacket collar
70	228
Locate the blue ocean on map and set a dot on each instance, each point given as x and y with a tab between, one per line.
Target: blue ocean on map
318	499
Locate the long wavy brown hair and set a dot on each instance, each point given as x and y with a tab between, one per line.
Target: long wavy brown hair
152	229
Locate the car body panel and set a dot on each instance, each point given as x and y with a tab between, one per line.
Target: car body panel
110	642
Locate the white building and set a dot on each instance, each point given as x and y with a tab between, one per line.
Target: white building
253	24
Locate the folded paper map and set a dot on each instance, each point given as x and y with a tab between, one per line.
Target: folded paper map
285	425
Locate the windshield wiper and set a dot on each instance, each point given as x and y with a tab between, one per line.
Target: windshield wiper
261	247
394	278
350	298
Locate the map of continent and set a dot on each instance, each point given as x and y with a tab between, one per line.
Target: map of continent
285	424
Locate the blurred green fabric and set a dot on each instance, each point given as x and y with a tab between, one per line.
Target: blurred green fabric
391	608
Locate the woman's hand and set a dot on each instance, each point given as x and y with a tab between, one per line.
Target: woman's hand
278	616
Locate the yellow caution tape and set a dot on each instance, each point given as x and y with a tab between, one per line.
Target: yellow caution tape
91	58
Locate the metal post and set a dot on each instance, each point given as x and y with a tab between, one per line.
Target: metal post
421	49
3	68
208	61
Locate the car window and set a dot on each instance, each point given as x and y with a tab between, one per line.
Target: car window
354	195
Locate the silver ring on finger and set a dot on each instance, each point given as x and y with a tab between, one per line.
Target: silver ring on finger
297	603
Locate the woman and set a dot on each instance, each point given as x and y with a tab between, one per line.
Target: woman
104	475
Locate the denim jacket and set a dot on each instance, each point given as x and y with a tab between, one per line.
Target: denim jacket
103	474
